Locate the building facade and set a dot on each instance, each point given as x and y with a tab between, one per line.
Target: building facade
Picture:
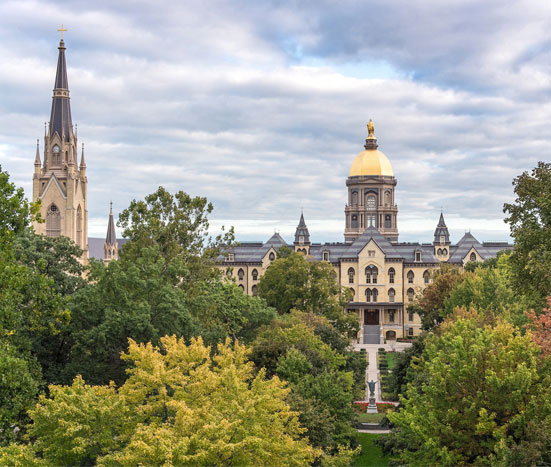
383	274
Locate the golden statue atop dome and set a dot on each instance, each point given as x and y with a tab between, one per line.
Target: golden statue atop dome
370	129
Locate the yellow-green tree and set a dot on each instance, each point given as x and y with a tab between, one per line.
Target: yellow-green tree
179	406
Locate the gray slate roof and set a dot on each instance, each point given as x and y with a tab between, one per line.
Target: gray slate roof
95	246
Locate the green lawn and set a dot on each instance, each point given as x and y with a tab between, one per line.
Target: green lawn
370	417
371	454
391	360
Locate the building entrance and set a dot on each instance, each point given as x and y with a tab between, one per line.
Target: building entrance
371	317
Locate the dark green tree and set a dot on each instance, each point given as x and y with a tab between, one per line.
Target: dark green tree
529	218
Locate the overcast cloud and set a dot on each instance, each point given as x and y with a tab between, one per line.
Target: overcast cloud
261	106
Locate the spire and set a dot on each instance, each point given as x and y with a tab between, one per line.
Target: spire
302	236
371	141
60	118
441	234
37	162
82	163
111	237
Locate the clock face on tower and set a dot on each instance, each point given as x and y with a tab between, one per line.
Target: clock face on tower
56	149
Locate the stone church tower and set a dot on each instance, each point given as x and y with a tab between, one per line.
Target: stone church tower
371	193
59	183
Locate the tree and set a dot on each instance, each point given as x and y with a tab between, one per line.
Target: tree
540	325
476	388
181	405
430	305
311	287
178	226
530	223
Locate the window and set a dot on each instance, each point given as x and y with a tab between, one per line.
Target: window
410	315
388	221
410	277
254	290
79	227
354	223
426	277
351	273
410	332
445	251
375	294
411	294
230	257
391	295
371	221
271	257
387	198
391	273
53	221
301	239
439	252
371	274
228	272
240	274
418	256
367	295
241	287
371	253
442	239
325	256
391	314
255	274
353	293
354	198
473	257
371	203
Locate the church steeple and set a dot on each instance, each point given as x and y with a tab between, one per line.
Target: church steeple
302	237
442	240
111	247
60	117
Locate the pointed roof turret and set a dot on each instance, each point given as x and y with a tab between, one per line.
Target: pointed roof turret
82	163
441	233
60	118
37	162
302	231
111	237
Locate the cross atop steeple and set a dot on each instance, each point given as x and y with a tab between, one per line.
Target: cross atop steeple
62	31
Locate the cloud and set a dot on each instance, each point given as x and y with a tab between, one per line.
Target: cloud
261	107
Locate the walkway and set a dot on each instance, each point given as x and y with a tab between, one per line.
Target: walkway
372	372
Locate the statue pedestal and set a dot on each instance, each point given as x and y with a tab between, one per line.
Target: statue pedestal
372	407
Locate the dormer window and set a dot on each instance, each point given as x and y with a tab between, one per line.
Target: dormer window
230	257
418	256
301	239
325	255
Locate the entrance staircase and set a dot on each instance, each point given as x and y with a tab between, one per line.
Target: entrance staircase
372	334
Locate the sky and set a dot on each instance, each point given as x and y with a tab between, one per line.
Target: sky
261	106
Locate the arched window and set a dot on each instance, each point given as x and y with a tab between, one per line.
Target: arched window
410	277
439	252
53	221
354	221
388	221
445	251
353	293
371	274
254	290
387	198
391	335
371	202
367	295
391	315
351	273
240	274
426	277
228	272
411	294
354	198
473	256
241	287
391	295
271	257
79	227
375	294
391	274
255	274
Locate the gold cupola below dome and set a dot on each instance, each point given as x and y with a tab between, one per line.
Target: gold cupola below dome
371	161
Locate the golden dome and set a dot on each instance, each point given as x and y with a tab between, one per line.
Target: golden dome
371	161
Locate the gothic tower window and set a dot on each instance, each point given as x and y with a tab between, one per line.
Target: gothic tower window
354	223
271	257
439	252
56	155
445	251
391	274
53	221
388	221
79	227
